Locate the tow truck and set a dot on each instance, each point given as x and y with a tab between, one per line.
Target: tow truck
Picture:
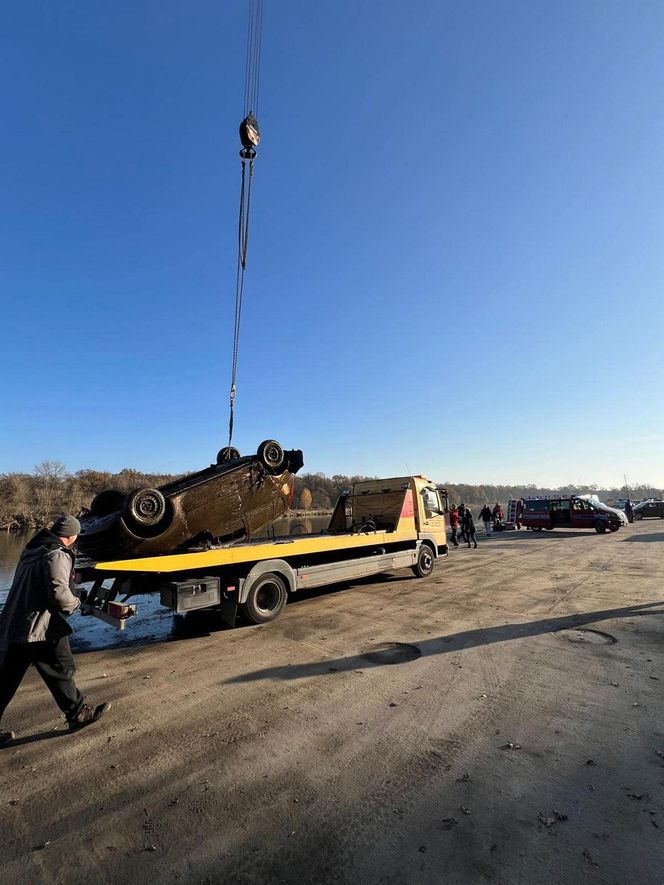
378	526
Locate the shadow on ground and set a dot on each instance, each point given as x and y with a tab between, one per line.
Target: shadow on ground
655	536
390	652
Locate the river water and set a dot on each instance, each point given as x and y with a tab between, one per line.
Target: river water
152	622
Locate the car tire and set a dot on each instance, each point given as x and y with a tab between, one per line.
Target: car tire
271	455
228	453
614	528
599	526
145	508
107	502
638	516
425	562
266	599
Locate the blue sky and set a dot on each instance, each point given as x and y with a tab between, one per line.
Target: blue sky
456	257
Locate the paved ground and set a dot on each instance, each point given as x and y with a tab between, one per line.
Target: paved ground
500	721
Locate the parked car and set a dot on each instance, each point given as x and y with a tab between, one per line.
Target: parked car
227	500
646	509
547	512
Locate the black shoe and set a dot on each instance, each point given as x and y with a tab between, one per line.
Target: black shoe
6	737
475	545
88	715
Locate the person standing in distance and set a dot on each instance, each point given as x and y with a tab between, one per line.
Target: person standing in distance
34	628
469	526
454	524
485	516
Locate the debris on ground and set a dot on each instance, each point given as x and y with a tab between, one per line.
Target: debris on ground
449	823
557	817
511	746
588	856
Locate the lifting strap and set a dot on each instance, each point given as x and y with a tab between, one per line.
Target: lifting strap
249	137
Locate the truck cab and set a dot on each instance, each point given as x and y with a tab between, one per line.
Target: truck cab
406	502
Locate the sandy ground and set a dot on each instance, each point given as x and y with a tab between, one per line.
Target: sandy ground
500	721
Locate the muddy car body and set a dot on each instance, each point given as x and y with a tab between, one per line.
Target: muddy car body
228	500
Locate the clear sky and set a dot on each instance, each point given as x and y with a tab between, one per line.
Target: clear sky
456	256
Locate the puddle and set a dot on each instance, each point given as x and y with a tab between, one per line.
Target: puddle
392	653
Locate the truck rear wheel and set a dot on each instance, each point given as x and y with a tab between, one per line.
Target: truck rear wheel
425	560
600	528
266	599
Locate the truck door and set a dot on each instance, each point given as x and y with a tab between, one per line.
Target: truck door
433	519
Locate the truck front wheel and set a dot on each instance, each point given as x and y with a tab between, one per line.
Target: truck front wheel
266	599
425	560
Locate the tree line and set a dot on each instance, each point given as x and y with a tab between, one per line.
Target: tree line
29	500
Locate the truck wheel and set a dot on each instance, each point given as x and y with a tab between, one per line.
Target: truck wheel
107	502
600	528
271	455
145	507
425	561
266	600
228	453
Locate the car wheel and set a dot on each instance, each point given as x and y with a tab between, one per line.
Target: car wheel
614	528
266	599
425	562
600	528
228	453
271	455
638	516
107	502
145	507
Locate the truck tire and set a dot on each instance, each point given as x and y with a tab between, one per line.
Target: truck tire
266	600
600	528
425	562
271	455
145	508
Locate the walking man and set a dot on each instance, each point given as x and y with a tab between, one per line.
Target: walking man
462	514
469	526
34	628
485	516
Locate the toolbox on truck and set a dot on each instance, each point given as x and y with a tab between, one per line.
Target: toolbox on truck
185	596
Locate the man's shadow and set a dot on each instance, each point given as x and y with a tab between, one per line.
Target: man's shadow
32	738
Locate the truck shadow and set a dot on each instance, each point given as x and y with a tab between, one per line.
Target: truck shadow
379	657
647	539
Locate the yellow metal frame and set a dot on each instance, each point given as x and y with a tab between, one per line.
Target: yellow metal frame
250	552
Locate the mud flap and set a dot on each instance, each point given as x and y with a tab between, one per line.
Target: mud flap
228	605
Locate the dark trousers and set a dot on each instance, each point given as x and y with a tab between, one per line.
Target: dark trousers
55	664
455	529
470	535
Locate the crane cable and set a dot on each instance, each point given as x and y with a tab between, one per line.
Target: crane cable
249	136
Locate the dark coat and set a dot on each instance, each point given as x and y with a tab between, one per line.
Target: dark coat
485	514
41	596
468	524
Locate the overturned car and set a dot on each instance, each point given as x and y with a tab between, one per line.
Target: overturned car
225	501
